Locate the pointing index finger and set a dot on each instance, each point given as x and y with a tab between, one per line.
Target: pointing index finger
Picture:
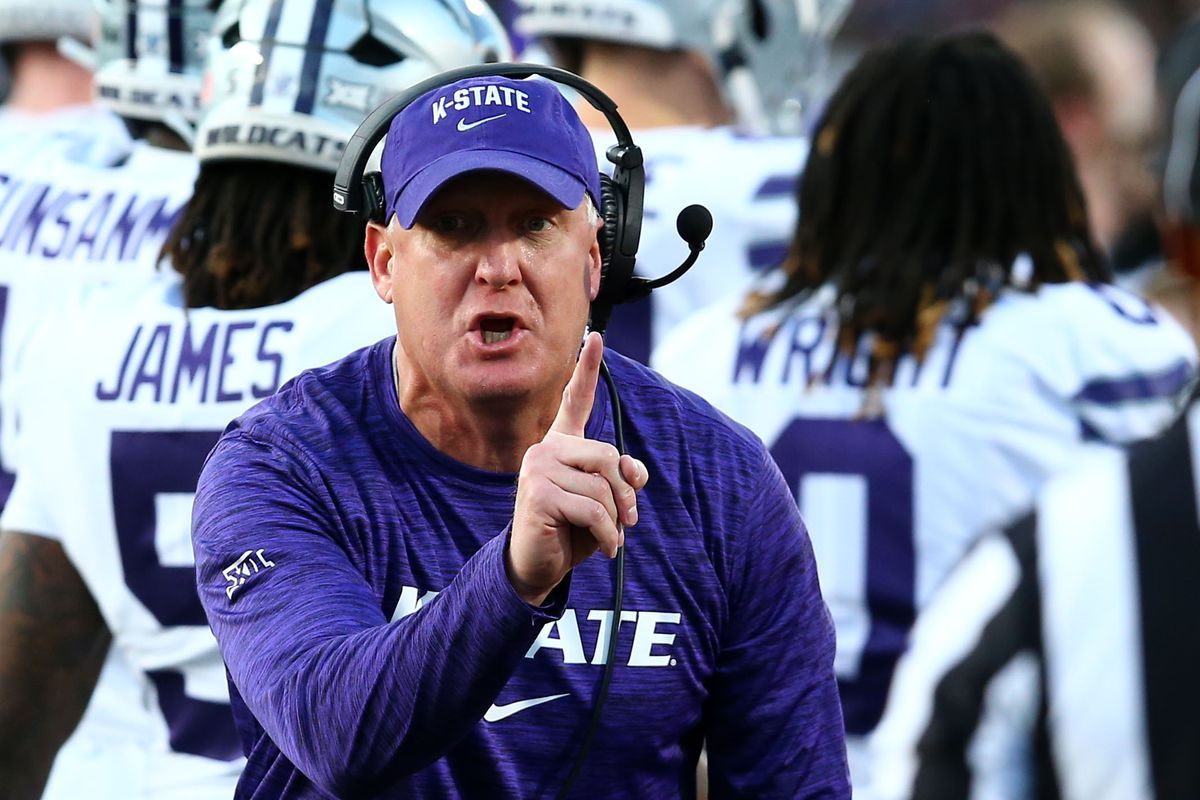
580	394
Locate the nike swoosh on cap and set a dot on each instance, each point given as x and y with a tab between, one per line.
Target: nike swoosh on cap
497	713
464	126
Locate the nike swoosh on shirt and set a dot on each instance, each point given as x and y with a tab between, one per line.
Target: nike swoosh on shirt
464	126
497	713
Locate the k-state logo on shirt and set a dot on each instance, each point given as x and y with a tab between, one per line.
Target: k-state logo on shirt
652	637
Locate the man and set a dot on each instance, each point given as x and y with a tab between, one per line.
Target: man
50	96
1059	659
716	94
1074	656
100	203
1095	61
941	339
1173	281
395	624
67	203
142	375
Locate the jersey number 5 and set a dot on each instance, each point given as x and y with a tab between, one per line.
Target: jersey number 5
198	727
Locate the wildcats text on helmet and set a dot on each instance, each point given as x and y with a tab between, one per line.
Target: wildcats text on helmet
160	99
280	136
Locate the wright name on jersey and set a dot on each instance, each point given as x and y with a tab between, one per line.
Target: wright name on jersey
896	482
749	185
139	408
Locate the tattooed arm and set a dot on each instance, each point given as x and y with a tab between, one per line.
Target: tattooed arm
53	642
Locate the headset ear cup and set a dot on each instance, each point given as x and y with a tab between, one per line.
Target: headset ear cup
610	211
374	202
615	269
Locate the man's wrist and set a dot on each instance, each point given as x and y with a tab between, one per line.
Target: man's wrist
529	594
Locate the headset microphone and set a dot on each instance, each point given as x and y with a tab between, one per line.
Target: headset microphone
694	225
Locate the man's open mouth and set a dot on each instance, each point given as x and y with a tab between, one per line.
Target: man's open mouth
496	329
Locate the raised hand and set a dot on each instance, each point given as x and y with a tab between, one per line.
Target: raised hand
574	495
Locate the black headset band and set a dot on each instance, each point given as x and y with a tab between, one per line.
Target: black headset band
347	193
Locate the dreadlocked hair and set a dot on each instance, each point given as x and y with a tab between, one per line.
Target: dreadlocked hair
935	165
257	233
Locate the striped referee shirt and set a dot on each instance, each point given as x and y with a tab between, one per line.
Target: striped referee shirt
1062	658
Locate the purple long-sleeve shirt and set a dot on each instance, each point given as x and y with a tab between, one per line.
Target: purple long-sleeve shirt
354	577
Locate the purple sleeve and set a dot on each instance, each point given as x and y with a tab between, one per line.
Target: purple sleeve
774	719
353	700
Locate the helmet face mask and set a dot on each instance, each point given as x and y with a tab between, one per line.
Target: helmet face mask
150	57
291	80
766	55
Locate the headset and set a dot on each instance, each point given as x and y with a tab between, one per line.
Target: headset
621	195
621	198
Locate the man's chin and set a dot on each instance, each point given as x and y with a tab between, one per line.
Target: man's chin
500	390
509	382
499	393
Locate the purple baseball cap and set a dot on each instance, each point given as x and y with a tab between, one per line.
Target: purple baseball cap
523	127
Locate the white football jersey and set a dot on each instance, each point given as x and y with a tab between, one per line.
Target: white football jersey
749	185
89	133
101	221
77	194
963	441
137	389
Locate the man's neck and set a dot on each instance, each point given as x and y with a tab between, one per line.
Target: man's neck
43	80
653	88
493	438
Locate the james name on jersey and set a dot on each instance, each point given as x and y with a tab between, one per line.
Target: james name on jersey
235	360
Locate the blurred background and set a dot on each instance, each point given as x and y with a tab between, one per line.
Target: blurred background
875	20
1112	71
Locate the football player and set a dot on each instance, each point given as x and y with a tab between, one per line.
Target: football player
142	375
1059	658
76	192
941	340
103	205
717	91
50	96
1085	597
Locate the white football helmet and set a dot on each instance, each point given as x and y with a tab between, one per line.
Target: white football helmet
291	80
46	20
150	57
766	54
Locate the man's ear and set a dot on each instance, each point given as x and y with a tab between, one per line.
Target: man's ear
595	265
377	247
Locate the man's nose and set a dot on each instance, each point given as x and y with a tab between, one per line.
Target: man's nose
499	263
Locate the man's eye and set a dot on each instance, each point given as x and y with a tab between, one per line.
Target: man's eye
538	224
449	223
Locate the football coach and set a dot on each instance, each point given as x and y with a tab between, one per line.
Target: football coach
406	556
